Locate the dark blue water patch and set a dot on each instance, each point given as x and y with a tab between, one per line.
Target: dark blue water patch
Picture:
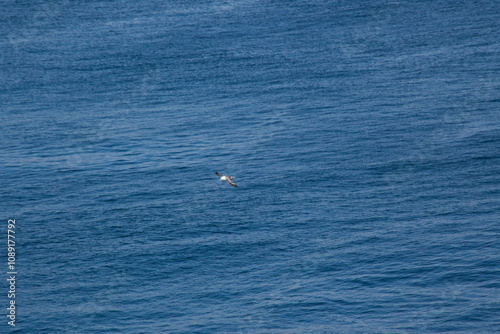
362	137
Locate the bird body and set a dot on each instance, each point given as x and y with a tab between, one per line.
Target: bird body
227	178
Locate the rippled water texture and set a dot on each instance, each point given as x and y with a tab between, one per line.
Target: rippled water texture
364	137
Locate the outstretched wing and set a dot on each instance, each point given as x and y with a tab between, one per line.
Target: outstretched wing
231	182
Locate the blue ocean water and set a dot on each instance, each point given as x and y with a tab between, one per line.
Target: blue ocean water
364	137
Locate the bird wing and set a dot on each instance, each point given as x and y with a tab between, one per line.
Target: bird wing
231	182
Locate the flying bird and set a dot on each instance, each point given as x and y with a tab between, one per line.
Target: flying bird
227	178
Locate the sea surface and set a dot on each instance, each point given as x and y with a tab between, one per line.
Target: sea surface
364	137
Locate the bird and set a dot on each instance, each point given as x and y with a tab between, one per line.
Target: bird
227	178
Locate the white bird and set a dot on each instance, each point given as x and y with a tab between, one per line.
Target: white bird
227	178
